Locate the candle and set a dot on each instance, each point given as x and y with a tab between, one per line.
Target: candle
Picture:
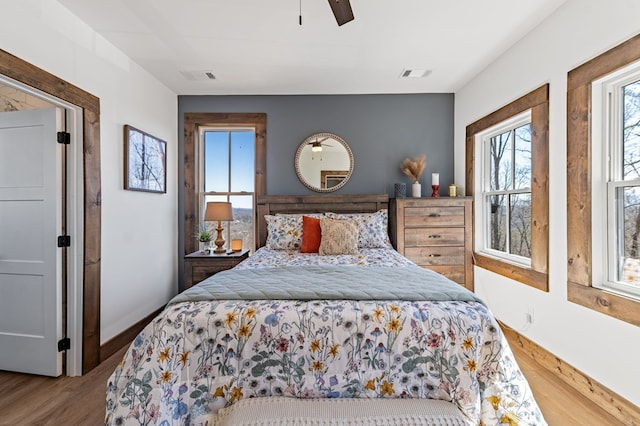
236	245
435	178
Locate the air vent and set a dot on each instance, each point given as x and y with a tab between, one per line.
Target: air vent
414	73
201	75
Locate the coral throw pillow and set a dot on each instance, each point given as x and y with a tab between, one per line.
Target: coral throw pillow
311	235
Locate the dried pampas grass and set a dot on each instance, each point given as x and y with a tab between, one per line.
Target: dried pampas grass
413	167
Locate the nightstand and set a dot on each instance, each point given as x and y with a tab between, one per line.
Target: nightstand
198	266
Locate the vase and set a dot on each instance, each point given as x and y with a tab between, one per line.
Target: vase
416	190
400	190
205	247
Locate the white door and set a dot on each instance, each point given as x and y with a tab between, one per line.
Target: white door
30	260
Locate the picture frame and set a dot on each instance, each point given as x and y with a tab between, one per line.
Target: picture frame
145	161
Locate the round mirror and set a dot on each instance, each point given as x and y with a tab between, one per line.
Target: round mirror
324	162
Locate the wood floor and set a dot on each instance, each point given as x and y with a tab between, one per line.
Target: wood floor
32	400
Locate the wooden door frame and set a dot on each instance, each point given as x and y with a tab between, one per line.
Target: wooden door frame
26	73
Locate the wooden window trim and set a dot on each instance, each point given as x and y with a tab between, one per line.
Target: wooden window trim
192	123
579	172
537	101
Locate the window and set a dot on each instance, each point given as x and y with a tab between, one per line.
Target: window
227	170
505	199
194	176
507	154
603	182
616	100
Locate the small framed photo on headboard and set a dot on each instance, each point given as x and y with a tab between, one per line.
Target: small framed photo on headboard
145	161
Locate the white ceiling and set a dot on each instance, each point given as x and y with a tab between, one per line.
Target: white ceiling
257	46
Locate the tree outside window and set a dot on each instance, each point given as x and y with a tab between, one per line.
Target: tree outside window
625	184
509	195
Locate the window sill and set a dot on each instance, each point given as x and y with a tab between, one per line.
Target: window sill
525	276
611	304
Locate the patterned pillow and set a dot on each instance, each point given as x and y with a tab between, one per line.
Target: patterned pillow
284	231
372	228
338	237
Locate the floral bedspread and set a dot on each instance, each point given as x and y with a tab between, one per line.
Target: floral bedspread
199	356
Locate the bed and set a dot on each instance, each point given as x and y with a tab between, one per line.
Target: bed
344	336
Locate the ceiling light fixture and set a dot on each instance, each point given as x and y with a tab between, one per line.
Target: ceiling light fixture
316	147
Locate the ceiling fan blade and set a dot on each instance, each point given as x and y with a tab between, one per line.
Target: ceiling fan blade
342	11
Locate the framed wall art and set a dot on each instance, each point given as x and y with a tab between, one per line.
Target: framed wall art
145	161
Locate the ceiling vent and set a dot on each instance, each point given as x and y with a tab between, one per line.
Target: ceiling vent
201	75
414	73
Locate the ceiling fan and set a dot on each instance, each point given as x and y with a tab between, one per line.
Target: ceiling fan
316	146
342	11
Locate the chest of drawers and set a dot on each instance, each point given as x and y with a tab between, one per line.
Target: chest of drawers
435	233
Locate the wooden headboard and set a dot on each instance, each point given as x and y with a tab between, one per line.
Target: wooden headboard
272	204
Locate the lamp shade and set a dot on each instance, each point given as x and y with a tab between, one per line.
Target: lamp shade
218	210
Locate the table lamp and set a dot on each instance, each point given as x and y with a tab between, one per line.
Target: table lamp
220	211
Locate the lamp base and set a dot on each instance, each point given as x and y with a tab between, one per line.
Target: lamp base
436	191
219	240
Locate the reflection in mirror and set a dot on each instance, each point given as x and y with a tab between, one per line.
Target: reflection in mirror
324	162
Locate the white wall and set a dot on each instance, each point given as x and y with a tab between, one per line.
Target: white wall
139	230
598	345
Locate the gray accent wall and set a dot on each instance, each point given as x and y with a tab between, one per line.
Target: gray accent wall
381	130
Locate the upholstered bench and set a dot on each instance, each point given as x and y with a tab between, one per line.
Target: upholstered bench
281	411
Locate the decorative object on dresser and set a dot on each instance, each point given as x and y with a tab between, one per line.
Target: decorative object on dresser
435	185
435	233
453	191
413	167
218	211
400	190
199	266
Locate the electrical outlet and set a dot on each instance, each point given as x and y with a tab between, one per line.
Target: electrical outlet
529	317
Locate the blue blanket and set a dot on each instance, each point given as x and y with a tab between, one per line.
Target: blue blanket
329	282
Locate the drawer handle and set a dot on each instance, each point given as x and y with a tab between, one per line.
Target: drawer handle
435	236
434	214
435	255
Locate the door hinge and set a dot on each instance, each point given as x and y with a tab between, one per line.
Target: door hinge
64	138
64	241
64	344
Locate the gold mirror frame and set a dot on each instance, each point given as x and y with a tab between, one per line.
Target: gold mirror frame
334	173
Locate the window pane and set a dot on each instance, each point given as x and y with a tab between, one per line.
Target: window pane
629	198
498	225
242	161
631	131
520	225
522	157
216	161
242	226
500	162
